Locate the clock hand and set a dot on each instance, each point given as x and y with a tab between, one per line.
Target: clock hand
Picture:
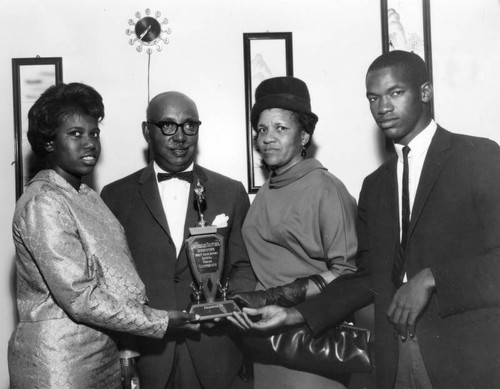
145	32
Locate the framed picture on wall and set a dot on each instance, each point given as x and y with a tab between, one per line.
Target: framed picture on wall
266	55
406	25
30	77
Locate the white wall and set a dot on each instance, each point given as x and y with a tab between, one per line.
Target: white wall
466	50
333	43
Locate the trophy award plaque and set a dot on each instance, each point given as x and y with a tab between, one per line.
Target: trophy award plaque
206	258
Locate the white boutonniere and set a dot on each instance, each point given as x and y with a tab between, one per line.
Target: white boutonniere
220	220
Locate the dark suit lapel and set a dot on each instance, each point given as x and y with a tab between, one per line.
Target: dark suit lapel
148	189
391	194
434	161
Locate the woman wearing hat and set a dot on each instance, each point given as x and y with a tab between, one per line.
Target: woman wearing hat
300	230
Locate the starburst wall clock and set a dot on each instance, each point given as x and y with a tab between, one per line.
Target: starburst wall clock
148	32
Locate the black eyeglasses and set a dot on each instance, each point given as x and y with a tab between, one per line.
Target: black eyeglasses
189	127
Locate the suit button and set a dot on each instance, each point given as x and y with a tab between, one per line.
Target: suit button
176	280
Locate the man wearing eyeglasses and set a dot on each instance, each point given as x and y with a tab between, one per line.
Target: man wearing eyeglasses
156	207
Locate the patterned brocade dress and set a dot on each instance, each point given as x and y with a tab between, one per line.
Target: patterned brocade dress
75	281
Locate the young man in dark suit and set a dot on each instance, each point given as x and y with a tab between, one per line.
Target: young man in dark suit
429	239
157	214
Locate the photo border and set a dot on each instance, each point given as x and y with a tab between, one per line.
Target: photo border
248	39
21	111
426	18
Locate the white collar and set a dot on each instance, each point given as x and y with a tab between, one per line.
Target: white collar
158	169
420	144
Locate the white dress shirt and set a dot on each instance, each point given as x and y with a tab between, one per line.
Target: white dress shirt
416	157
174	195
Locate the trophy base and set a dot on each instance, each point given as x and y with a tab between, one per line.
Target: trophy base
214	309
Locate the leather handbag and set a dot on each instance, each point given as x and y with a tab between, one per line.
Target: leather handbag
344	349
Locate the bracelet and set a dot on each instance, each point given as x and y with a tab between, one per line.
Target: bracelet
127	361
319	281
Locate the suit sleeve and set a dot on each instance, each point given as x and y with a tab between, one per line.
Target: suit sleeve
242	277
342	297
474	282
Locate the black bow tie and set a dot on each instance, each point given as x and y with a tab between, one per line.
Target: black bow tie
186	176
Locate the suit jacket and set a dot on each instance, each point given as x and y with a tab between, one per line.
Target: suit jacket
454	231
135	200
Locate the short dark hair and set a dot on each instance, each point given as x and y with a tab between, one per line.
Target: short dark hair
306	121
412	63
56	103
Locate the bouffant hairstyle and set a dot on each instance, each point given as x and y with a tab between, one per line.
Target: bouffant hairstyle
56	103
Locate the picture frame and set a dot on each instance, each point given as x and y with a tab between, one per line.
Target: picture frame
266	55
406	25
30	78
